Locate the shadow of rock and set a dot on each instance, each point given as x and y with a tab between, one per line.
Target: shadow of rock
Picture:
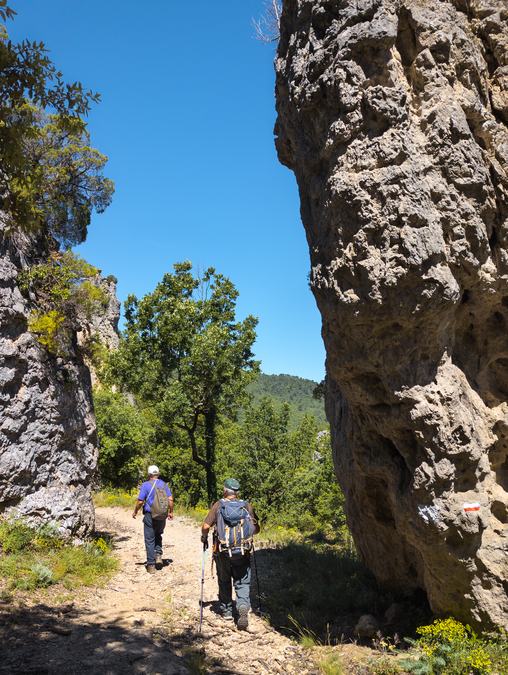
321	592
51	640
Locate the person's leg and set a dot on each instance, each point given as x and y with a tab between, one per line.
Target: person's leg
159	526
224	578
240	570
149	539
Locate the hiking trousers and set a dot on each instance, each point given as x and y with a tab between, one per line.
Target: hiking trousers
234	569
153	529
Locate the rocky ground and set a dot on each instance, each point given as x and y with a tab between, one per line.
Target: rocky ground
142	623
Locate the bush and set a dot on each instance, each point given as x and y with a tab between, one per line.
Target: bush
63	291
43	576
124	436
449	647
37	558
115	497
15	536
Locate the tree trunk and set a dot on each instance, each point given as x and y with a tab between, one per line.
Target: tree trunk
211	479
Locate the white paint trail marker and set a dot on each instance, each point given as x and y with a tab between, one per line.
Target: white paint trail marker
473	506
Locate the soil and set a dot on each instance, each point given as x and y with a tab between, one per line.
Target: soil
142	623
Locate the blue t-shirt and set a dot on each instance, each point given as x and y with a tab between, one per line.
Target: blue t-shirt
146	489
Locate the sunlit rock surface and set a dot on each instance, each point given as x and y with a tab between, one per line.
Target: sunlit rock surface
48	445
393	116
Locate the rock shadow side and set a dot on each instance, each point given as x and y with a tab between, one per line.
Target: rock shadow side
48	444
393	116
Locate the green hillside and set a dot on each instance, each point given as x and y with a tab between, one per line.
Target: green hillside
297	391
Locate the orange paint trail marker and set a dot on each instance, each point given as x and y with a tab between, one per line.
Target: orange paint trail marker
473	506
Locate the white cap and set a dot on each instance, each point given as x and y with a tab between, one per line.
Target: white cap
152	470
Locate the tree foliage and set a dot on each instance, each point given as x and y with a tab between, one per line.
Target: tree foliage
63	292
298	392
51	178
125	435
185	354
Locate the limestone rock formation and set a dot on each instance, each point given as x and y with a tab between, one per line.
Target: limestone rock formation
102	326
393	115
48	445
105	324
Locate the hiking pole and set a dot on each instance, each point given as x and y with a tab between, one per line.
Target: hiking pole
257	577
202	588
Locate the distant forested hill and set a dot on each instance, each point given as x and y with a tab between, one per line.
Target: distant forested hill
296	391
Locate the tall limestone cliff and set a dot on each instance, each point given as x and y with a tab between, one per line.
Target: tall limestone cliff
393	115
48	443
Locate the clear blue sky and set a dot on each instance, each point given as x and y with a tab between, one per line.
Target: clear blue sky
186	119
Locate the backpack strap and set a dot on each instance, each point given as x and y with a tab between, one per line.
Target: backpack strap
150	493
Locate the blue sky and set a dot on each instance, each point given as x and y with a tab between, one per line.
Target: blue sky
186	119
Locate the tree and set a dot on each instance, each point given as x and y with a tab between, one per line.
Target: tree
185	354
267	27
50	178
124	435
259	455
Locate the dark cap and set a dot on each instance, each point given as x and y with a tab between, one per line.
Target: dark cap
232	484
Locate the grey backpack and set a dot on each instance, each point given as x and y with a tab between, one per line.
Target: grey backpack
160	505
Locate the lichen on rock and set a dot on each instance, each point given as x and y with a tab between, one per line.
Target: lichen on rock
393	116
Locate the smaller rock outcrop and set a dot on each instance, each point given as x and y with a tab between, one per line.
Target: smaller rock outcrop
101	327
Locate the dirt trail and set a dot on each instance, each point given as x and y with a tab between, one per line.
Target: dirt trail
141	623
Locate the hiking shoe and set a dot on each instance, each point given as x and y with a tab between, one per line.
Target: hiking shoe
243	617
158	561
150	569
227	616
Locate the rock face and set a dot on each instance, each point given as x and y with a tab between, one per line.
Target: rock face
393	115
48	445
102	326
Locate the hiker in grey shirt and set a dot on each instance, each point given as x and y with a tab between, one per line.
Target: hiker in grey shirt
235	524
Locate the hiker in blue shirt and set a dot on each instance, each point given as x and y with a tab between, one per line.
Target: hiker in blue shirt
157	501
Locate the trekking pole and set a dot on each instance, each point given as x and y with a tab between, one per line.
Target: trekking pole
202	588
257	577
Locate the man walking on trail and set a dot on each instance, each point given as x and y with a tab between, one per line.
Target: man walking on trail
235	524
157	501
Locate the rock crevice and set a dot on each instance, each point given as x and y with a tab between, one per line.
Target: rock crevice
393	115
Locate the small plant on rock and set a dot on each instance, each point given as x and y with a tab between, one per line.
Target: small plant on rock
63	292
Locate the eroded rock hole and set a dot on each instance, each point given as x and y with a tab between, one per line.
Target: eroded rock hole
406	39
502	475
500	511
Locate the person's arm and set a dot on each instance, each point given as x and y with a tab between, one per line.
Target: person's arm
171	507
255	519
139	503
207	524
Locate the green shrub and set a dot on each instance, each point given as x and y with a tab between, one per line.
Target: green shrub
37	558
62	290
49	329
384	665
331	664
15	536
42	574
449	647
115	497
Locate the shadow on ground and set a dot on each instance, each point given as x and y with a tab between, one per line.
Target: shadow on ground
49	640
321	591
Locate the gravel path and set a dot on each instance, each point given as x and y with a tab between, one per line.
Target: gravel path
141	623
